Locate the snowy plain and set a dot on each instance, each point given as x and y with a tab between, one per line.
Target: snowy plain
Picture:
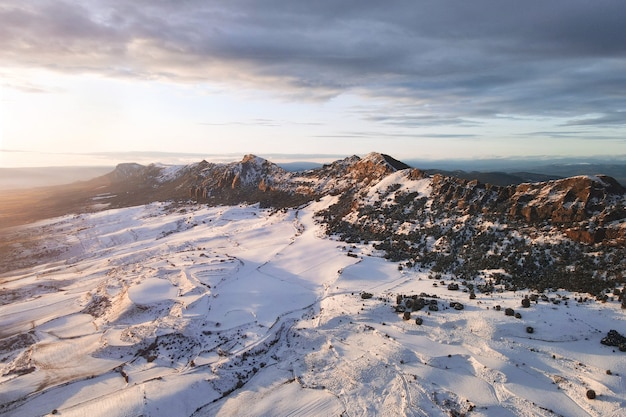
187	310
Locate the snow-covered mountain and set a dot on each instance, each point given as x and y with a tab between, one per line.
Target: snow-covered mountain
543	234
592	206
364	287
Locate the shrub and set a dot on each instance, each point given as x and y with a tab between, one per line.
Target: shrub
591	394
366	295
509	311
525	303
419	321
530	329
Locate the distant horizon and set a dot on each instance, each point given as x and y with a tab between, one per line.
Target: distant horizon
30	159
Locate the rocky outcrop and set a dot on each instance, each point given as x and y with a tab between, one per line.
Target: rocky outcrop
588	208
567	201
614	338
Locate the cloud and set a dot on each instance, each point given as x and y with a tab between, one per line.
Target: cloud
460	59
610	119
391	135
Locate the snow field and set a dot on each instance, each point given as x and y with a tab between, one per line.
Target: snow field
169	310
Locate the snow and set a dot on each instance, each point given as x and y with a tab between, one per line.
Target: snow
421	186
169	172
152	290
163	310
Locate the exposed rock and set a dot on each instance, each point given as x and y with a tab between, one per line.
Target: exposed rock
614	338
456	305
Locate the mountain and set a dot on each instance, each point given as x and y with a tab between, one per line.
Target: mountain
362	287
444	222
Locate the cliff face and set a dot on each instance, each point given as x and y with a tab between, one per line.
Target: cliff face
566	201
589	207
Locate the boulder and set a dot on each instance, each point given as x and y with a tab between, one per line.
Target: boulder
614	338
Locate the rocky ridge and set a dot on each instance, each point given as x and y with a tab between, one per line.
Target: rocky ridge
586	209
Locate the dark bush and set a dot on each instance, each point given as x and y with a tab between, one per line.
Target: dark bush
614	338
366	295
525	303
591	394
518	316
529	329
509	311
406	315
419	321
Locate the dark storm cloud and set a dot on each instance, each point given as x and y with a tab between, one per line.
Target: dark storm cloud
456	59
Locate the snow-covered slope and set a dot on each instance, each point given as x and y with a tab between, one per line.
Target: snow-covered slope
181	309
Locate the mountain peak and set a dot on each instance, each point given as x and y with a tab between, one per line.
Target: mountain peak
383	159
252	158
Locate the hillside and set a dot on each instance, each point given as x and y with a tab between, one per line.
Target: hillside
182	309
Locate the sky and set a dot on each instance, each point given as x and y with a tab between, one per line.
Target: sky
96	82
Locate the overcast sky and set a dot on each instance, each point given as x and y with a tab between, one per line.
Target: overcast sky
86	81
